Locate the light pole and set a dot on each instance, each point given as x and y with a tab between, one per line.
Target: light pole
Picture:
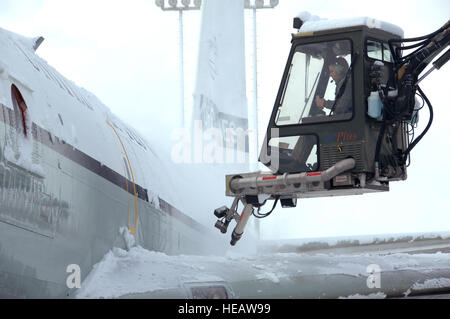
180	6
253	110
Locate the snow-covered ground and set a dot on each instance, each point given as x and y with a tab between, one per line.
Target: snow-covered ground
138	270
404	241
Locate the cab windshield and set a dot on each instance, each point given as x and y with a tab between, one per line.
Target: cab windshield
318	85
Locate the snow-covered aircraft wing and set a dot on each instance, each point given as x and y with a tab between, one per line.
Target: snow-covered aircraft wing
379	267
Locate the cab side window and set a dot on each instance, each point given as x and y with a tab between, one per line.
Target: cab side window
378	50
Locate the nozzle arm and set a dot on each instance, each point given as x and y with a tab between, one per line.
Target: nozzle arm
239	229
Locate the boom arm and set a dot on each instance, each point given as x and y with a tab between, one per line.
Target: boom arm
410	67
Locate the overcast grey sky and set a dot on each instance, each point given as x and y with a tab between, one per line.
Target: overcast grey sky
126	52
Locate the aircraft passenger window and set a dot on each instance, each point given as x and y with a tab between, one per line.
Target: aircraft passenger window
20	110
295	153
319	86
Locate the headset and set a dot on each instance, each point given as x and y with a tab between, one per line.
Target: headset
341	66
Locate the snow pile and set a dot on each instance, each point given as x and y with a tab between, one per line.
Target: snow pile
430	284
139	270
314	23
306	16
271	276
129	239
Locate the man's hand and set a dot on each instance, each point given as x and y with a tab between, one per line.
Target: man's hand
320	102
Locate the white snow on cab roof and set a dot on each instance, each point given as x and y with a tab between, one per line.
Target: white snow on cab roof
314	23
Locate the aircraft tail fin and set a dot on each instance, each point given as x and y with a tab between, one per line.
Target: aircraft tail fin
219	99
